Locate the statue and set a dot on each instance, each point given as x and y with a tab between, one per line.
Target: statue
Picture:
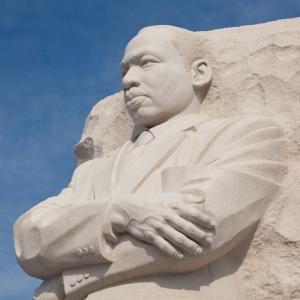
179	198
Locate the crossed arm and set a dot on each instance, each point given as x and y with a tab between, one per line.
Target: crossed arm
41	233
168	222
234	190
233	225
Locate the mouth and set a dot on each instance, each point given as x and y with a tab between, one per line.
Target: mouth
134	99
135	102
133	93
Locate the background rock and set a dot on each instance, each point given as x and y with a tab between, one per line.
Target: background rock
256	70
107	126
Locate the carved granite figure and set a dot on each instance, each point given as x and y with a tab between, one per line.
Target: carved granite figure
180	197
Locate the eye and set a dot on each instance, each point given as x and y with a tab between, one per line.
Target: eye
148	61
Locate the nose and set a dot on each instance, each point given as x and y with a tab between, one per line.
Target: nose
131	78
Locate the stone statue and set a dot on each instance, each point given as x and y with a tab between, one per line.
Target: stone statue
182	197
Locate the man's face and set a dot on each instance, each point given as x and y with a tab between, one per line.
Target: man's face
156	84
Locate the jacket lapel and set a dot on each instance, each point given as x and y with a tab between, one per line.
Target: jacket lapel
153	156
128	180
103	174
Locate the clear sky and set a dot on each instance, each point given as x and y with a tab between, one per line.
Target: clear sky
57	59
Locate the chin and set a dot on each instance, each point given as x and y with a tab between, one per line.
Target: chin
143	122
146	120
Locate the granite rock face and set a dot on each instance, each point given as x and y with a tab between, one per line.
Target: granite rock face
256	70
108	126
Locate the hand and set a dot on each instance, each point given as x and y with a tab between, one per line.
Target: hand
51	289
170	223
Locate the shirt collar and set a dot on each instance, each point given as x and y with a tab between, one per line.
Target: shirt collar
178	123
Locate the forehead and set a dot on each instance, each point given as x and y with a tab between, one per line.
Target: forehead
149	41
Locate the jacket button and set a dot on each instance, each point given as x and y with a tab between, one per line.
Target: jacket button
79	252
86	274
91	249
72	284
85	251
79	278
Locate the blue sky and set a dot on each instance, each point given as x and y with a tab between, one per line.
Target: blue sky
57	58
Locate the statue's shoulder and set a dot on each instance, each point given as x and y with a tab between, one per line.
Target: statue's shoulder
250	123
219	133
257	120
246	122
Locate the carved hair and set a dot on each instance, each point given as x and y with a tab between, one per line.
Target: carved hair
189	44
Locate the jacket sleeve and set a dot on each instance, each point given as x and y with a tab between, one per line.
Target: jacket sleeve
63	231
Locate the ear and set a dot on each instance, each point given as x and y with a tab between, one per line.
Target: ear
201	73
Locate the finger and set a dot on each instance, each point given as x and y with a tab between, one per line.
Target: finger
192	196
165	247
157	241
136	233
180	240
190	230
197	216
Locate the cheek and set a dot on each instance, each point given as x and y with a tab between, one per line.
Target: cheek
177	92
167	87
174	80
159	77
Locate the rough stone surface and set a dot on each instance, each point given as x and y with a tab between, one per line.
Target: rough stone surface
256	69
108	125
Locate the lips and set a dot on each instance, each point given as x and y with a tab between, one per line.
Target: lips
131	94
134	99
135	102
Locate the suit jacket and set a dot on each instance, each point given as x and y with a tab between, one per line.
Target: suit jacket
236	163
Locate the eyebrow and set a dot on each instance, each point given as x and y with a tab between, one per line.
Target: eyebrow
135	57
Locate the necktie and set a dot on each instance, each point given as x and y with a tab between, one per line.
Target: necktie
144	138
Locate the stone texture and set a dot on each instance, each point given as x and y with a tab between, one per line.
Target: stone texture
108	126
256	69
